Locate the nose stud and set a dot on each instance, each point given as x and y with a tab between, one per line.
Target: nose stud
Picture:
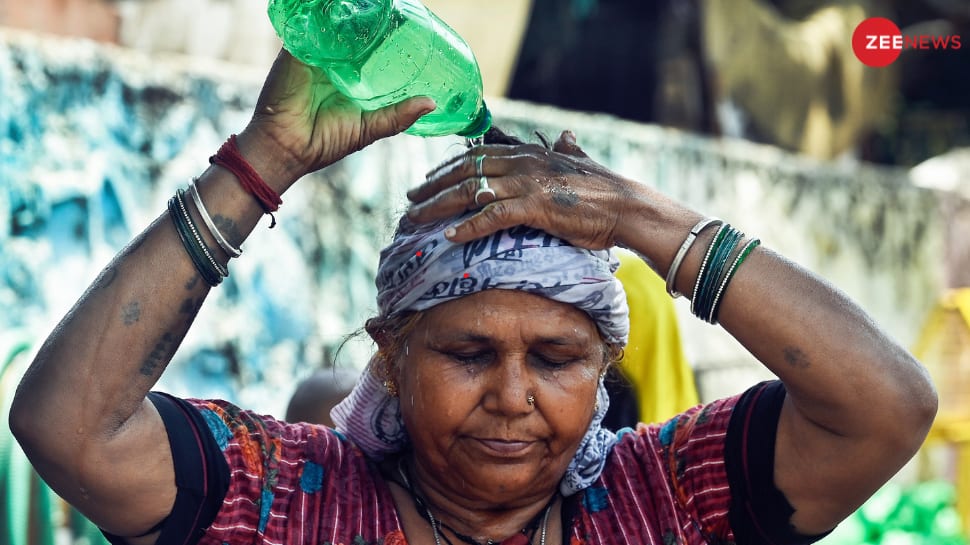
531	400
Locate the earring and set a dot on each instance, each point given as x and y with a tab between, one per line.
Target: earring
391	387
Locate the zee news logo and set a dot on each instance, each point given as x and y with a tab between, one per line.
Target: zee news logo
878	42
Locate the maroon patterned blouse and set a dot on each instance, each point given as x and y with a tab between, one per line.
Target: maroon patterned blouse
704	477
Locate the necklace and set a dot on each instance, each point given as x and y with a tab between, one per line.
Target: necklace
523	537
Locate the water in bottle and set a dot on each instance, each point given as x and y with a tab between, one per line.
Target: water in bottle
379	52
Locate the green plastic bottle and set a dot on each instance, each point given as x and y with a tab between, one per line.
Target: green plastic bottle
379	52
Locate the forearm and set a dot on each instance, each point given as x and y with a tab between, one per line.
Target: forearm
94	370
831	356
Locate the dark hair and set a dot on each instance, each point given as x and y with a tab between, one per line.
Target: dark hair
390	334
495	135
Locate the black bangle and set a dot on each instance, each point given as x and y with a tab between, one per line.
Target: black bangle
212	275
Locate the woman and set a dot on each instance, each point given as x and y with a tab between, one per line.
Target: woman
478	418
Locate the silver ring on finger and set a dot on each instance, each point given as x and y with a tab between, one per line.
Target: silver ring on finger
479	166
484	189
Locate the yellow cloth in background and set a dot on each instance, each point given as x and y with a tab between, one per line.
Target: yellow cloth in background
654	358
961	298
942	346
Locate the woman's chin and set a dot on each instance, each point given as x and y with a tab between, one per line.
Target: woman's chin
501	483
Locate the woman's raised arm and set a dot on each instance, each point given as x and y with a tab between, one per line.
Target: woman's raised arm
858	405
81	412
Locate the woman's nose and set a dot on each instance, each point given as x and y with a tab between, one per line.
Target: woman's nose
509	387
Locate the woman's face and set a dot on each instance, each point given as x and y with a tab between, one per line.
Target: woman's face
465	380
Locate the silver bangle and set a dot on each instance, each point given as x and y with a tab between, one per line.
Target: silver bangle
223	243
682	252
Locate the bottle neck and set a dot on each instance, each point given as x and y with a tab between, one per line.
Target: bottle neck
481	124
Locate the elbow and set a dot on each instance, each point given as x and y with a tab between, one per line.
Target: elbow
35	421
916	404
923	395
926	403
23	421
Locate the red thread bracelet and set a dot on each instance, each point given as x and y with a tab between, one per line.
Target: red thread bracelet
232	160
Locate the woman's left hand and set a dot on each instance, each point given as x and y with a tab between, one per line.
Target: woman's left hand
304	124
561	191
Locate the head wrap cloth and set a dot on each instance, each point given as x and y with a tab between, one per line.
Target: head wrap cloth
421	269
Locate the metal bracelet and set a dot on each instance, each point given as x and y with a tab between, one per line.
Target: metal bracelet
682	252
223	243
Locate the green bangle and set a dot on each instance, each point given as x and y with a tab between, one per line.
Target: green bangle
716	271
752	244
707	258
716	263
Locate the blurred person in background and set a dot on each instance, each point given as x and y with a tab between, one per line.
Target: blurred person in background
317	394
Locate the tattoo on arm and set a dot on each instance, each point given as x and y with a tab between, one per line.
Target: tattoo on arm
193	282
796	358
110	273
159	355
191	306
131	312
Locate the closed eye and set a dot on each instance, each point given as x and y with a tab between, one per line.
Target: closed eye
471	358
552	362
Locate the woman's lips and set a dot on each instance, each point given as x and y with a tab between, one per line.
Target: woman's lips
504	447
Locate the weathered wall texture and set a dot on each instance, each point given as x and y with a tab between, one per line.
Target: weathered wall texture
94	140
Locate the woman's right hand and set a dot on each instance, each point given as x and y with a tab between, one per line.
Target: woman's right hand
560	191
308	124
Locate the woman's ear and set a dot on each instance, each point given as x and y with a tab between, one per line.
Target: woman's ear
377	332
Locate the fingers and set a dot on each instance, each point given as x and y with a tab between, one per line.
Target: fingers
459	168
498	215
396	118
566	144
508	181
450	202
